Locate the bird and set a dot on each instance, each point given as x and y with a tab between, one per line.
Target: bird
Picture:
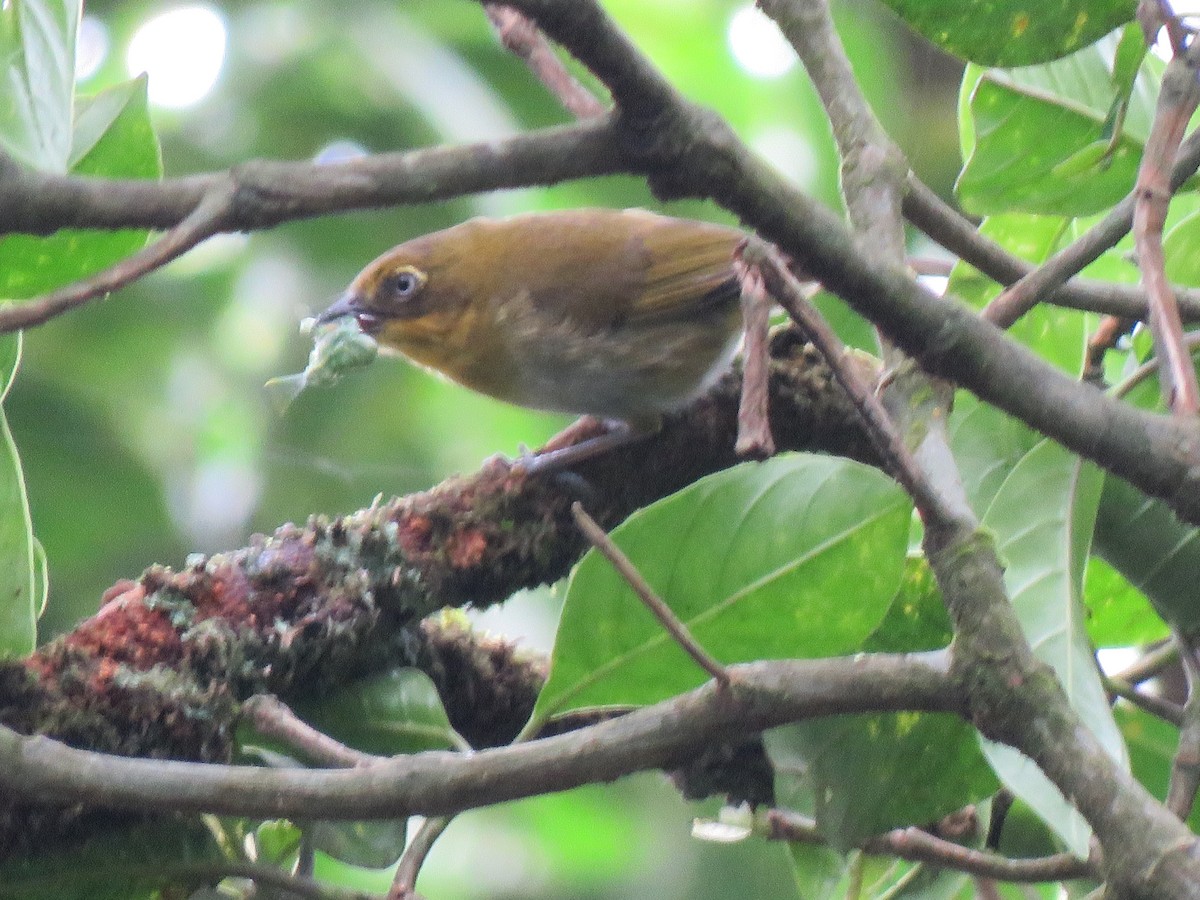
623	315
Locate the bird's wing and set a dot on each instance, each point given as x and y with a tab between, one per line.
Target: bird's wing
690	273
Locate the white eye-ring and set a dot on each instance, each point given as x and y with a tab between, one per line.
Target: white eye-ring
406	282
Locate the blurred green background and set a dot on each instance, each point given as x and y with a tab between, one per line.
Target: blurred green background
142	422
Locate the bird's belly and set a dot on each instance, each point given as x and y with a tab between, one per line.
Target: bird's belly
628	374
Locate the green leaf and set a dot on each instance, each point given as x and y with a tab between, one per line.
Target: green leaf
1121	616
1153	744
868	774
1043	517
1145	541
819	871
853	329
21	594
396	712
1181	247
113	139
131	863
1012	32
796	557
37	68
987	445
1027	124
1031	237
372	845
276	841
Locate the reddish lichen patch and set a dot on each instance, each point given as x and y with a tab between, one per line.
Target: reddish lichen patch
126	630
218	591
466	548
413	533
102	677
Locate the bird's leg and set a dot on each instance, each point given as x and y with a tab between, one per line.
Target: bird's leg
754	439
584	439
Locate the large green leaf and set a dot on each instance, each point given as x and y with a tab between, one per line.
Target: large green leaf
1145	541
1013	32
867	774
21	595
1181	249
799	556
1026	133
37	80
1153	744
1119	614
819	871
113	139
1043	516
131	863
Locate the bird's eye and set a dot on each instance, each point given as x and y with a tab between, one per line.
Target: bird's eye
406	283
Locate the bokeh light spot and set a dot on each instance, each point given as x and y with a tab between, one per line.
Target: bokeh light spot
757	45
182	50
91	48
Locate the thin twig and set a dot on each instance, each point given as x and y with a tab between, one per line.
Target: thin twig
1185	766
272	718
1177	100
1155	659
915	845
665	615
1038	284
759	260
1156	706
1191	341
205	220
519	34
404	883
958	234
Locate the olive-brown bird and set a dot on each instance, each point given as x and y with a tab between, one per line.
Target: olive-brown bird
619	314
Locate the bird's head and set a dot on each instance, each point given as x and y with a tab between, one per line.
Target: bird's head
413	294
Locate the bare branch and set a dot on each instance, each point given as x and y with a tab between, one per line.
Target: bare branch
759	261
754	439
522	38
1156	658
272	718
268	193
1177	100
1038	284
916	845
928	212
1185	766
1156	706
404	884
760	695
207	219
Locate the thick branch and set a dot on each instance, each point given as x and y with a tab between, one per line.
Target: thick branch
267	193
760	696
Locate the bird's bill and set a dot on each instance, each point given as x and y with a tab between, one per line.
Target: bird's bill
350	304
